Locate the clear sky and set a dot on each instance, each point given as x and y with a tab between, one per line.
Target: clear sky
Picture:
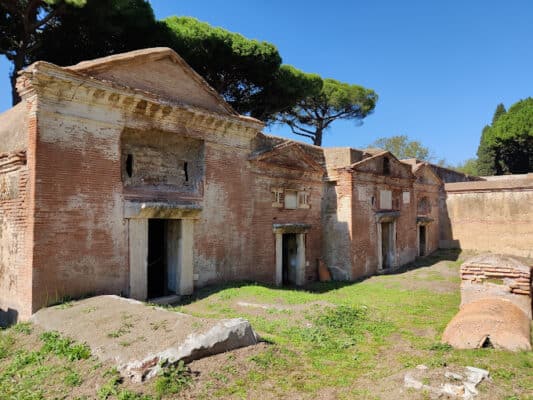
439	67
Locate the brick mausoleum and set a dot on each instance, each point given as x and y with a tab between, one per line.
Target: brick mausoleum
130	175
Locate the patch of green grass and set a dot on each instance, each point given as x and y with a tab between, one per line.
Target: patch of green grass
6	344
49	371
64	347
124	328
431	276
23	327
337	345
332	336
173	379
219	377
494	281
66	304
110	388
73	379
455	264
130	395
440	347
269	358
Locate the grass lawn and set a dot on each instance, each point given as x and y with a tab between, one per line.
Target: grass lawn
329	341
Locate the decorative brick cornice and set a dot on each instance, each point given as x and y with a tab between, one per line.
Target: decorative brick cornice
54	83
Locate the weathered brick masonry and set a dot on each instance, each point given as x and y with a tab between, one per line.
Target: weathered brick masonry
130	175
497	276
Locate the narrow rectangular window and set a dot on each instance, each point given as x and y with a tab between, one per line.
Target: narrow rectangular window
303	200
129	165
385	199
277	197
291	199
186	170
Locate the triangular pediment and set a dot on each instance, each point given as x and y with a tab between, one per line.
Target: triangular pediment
425	175
289	155
384	163
159	71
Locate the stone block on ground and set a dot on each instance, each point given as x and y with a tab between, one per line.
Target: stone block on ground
140	338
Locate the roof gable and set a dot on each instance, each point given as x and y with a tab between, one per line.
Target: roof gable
375	165
425	175
159	71
289	155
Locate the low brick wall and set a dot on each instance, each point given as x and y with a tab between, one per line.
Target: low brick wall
497	276
495	305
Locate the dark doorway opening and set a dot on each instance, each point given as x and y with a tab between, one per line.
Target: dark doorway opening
422	240
386	245
157	258
486	343
290	258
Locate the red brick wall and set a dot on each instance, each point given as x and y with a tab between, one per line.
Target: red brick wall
265	215
15	274
365	233
80	242
234	237
16	205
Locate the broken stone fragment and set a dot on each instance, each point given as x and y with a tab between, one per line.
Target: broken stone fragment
476	375
453	390
410	382
470	389
462	388
224	336
453	375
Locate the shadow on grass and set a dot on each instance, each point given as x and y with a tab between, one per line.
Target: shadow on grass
320	287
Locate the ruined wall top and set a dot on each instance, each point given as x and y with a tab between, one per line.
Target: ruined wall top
445	174
504	182
497	276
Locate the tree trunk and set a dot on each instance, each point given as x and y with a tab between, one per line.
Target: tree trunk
317	141
15	98
18	64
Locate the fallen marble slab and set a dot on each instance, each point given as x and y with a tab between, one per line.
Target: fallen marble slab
140	338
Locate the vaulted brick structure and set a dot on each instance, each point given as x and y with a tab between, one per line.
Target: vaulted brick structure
130	175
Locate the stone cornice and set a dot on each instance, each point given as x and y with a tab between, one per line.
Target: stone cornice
51	82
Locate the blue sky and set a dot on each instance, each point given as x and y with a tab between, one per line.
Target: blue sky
439	67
